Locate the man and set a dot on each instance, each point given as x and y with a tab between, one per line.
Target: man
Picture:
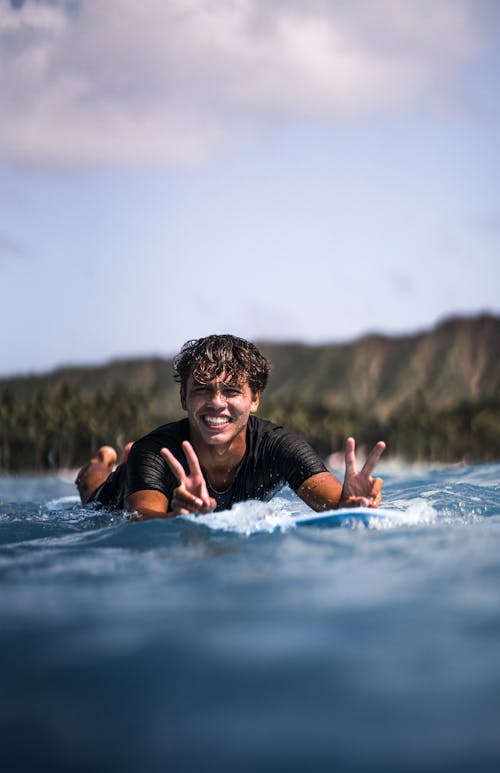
222	453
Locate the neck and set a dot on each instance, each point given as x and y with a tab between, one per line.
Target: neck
219	463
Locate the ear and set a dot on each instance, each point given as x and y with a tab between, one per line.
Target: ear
255	402
182	393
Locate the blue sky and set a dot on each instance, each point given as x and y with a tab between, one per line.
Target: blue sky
292	170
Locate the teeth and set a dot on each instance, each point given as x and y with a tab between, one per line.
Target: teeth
215	421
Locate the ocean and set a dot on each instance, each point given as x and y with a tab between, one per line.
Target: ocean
240	642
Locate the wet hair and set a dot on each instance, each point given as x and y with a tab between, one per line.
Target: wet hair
207	358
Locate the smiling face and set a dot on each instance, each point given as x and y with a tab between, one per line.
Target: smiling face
218	411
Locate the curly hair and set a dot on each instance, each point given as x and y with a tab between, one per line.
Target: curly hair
207	358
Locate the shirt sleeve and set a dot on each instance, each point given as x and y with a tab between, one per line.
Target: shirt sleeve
147	470
297	460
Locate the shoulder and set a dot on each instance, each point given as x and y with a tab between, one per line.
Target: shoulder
267	437
269	431
146	467
283	443
258	426
174	429
282	451
169	434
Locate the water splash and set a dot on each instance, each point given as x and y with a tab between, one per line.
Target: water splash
61	503
251	517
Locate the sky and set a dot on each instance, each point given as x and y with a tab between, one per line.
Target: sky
285	170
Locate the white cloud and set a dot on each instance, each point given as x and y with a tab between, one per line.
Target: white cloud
167	81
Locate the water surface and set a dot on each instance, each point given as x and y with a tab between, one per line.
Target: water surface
240	642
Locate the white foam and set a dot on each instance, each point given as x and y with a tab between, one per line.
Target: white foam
405	513
255	517
61	503
247	518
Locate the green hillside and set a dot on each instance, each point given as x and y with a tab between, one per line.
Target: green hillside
458	361
432	395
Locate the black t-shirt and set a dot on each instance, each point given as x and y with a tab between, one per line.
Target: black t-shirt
274	457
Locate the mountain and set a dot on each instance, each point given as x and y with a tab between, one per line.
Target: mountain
456	362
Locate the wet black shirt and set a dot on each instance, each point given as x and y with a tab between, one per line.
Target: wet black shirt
274	457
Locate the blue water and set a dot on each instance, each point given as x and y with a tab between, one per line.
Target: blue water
243	643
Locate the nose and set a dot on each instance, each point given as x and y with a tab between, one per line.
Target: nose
217	398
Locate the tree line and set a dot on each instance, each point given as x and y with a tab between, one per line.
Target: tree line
62	427
414	431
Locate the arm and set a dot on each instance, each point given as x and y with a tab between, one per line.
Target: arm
148	482
148	504
191	496
321	492
324	492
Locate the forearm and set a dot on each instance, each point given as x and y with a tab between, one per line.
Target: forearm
321	492
146	505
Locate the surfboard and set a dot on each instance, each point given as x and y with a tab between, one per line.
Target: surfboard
346	516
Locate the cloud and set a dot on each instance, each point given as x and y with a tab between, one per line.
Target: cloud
169	81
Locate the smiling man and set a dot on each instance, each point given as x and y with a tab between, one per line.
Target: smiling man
221	453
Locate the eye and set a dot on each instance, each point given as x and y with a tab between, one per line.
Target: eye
231	392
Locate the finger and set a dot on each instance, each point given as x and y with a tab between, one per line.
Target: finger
182	511
356	502
373	458
196	472
377	487
210	507
184	499
192	459
174	464
376	492
350	457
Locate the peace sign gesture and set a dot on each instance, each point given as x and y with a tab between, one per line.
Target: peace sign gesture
191	495
360	489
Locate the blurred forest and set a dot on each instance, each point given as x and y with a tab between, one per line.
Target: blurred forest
432	397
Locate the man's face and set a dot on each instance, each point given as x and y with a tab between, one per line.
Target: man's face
218	411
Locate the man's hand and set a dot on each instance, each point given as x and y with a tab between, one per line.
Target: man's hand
360	489
191	495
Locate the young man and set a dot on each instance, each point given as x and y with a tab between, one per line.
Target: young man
221	453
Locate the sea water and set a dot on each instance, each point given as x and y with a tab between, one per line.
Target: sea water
240	642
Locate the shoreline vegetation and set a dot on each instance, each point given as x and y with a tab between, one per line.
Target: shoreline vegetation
433	397
62	429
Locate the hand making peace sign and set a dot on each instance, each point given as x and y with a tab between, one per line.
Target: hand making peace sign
191	495
360	489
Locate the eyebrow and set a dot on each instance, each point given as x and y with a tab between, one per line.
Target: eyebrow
227	384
